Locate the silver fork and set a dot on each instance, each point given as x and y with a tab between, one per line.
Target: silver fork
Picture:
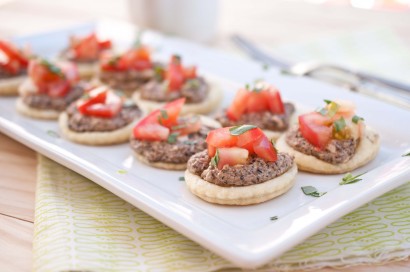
358	81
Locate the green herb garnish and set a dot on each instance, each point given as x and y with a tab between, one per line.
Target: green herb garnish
52	133
113	61
265	66
238	130
339	124
312	191
52	68
257	86
330	110
356	119
159	72
349	179
181	178
286	72
164	114
172	138
406	155
122	171
188	142
274	218
215	159
193	83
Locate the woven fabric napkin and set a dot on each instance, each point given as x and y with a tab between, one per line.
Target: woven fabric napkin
81	226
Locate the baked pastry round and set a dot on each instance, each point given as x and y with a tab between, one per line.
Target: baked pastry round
205	121
87	70
212	100
9	86
366	151
243	195
26	110
117	136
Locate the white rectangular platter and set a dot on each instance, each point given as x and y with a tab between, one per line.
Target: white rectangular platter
244	235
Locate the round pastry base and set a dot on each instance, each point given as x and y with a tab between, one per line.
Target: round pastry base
118	136
87	70
208	105
9	86
177	166
365	152
245	195
161	165
36	113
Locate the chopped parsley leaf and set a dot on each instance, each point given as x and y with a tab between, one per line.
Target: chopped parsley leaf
238	130
312	191
215	159
339	124
349	179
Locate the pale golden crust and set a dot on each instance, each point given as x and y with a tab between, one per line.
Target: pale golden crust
87	70
36	113
177	166
208	105
246	195
366	151
9	86
95	138
162	165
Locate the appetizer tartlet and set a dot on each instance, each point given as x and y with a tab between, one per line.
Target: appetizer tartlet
261	105
240	167
176	82
13	68
164	140
49	89
331	140
128	71
99	117
85	52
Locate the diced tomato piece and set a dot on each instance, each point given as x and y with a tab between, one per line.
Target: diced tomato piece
108	61
257	102
70	71
136	58
346	109
86	48
96	95
190	72
58	88
103	110
13	53
172	110
159	121
175	74
106	44
246	139
265	150
188	125
40	73
51	82
275	101
211	150
100	103
238	106
220	137
316	129
232	156
151	132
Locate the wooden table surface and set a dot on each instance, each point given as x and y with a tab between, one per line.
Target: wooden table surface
271	22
